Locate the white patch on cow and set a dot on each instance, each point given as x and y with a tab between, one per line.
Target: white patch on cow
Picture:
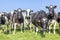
0	14
28	10
44	19
51	6
53	21
19	10
26	21
36	30
11	12
6	18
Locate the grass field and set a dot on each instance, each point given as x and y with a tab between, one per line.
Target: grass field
29	35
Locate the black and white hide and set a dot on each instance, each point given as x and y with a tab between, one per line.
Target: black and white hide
39	19
4	20
18	19
27	17
51	17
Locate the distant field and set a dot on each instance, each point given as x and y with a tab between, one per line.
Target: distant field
29	35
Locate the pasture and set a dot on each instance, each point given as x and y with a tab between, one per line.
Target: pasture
30	35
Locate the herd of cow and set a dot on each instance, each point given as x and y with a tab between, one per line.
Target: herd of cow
38	19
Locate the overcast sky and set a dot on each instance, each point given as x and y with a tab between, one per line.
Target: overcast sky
8	5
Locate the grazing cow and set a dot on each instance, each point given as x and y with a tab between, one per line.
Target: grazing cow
51	17
40	19
18	19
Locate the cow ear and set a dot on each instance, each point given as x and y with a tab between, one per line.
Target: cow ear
55	6
47	7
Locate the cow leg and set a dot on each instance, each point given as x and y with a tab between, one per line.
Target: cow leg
7	29
21	27
15	27
54	27
10	27
36	30
44	29
2	28
11	24
49	29
30	25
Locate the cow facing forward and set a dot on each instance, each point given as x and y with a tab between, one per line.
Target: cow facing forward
18	19
51	17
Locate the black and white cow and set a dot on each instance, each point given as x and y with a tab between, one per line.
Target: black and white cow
39	18
27	17
18	19
4	20
51	17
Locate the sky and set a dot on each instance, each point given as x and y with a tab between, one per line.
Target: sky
35	5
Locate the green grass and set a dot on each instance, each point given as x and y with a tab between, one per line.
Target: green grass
29	35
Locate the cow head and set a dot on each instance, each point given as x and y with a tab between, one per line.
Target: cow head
51	9
28	12
19	13
19	9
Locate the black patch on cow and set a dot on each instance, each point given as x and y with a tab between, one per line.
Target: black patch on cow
3	20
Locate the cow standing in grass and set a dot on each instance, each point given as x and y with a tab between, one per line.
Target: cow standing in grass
51	17
27	17
18	19
4	20
39	18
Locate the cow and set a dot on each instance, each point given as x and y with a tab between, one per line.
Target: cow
18	19
27	17
51	17
9	16
4	20
39	18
